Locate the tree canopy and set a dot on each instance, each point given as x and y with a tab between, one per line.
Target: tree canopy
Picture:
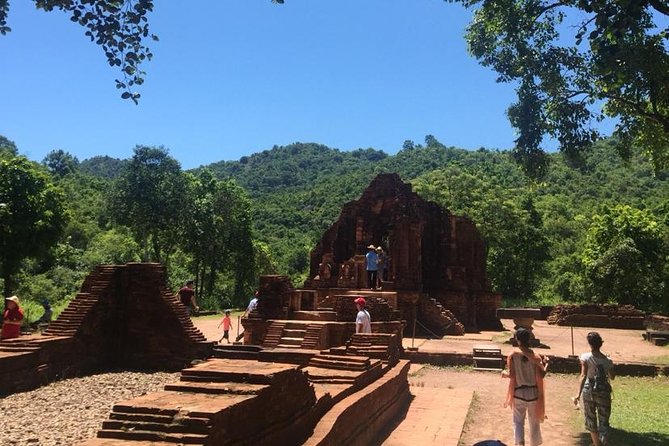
576	62
32	215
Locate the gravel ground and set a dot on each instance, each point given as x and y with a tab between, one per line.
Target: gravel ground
72	410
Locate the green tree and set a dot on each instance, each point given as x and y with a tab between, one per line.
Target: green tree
150	198
32	215
60	162
217	234
615	55
7	148
625	258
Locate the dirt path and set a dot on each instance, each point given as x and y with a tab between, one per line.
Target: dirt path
490	421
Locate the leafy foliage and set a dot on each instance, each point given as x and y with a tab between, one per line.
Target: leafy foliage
615	56
118	27
32	215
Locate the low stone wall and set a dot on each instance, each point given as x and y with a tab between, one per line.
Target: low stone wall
599	316
657	322
363	418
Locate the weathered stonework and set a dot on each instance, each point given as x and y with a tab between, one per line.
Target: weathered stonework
602	316
432	252
124	316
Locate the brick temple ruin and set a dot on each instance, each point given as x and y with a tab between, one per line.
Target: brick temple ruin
437	271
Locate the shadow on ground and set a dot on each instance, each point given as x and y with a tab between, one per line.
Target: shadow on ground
624	438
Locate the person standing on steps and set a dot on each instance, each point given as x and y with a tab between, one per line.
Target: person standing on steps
525	394
594	389
363	321
372	266
187	297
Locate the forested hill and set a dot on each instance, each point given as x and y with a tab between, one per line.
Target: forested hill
597	231
536	231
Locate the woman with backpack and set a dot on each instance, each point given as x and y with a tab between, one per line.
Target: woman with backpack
595	389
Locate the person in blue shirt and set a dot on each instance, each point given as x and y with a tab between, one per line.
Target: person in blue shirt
372	265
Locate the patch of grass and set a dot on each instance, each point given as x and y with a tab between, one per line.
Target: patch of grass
638	413
469	419
502	338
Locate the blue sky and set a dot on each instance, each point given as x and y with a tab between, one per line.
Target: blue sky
234	77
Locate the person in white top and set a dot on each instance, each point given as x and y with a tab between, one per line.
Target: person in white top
525	395
594	386
363	322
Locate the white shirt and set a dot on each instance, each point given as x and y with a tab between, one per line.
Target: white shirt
364	319
252	305
593	361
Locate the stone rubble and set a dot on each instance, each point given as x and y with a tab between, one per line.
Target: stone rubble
66	412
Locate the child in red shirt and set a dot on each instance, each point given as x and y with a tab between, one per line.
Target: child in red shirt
227	323
12	318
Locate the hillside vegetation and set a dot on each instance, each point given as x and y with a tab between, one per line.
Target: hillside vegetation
597	231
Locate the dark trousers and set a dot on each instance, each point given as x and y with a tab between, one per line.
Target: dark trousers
371	279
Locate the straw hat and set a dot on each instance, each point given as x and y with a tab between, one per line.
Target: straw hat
14	299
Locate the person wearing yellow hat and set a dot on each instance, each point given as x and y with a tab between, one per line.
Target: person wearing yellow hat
11	318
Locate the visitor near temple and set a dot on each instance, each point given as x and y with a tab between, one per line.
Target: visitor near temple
227	323
45	318
253	303
12	318
525	394
372	266
187	297
363	321
382	266
594	389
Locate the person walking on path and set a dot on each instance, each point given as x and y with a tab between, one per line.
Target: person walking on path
12	318
187	297
525	394
227	323
363	321
372	266
594	389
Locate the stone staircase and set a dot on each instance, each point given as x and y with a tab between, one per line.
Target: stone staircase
284	334
337	369
175	305
438	319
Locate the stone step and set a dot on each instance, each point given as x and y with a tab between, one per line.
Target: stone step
339	365
160	419
291	341
152	436
294	333
216	387
176	428
288	346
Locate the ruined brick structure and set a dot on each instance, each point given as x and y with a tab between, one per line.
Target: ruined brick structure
124	316
594	315
434	254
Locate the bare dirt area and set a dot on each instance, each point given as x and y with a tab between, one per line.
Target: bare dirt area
489	420
72	410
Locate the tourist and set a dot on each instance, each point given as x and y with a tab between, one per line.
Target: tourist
187	297
45	318
363	321
252	304
594	386
372	266
227	323
382	265
525	395
12	318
